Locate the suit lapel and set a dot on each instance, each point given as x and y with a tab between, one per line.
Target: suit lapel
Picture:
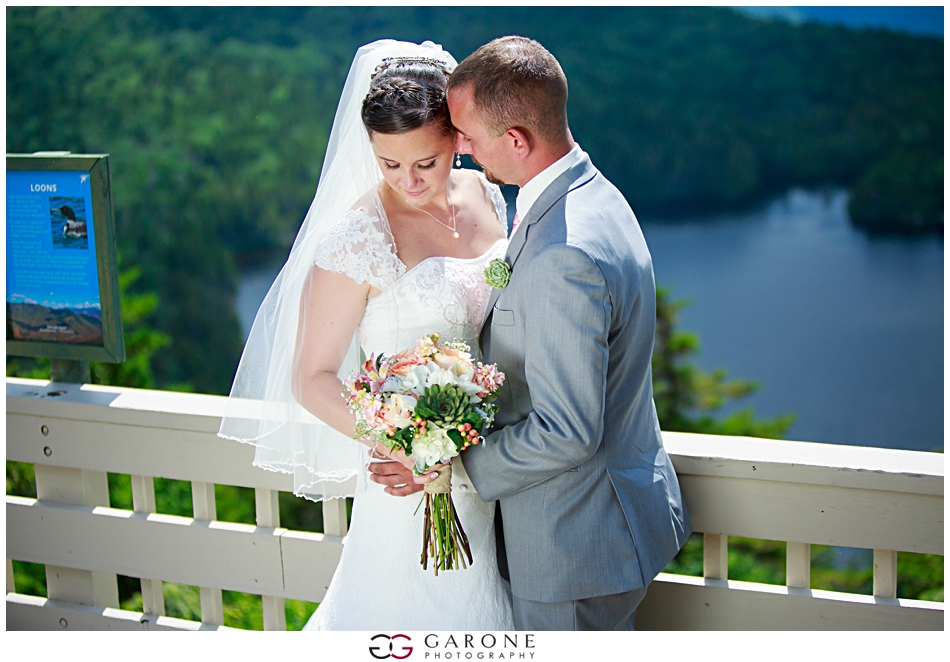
575	176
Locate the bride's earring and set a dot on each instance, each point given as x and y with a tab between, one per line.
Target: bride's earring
458	160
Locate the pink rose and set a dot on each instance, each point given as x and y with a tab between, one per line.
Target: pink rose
403	366
446	357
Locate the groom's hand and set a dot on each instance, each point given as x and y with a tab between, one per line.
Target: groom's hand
397	475
399	480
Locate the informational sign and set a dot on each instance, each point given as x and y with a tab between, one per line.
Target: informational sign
62	294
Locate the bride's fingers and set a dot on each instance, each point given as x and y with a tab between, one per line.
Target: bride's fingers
380	452
427	477
393	453
431	473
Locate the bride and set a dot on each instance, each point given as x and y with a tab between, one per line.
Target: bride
394	247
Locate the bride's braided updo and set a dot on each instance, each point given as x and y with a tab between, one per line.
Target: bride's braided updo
405	94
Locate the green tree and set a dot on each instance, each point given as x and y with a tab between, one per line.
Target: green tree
141	341
903	191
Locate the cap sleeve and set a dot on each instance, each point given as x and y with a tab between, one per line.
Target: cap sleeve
358	247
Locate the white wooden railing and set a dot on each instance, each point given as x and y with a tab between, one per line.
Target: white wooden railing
803	493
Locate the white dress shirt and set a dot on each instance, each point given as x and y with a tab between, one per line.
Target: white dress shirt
530	192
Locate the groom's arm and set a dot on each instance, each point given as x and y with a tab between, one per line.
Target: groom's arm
567	323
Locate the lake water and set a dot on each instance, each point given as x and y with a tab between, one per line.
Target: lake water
844	329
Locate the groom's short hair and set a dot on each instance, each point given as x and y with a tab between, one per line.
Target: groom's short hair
516	82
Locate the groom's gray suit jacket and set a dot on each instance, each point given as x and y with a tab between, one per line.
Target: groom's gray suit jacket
591	505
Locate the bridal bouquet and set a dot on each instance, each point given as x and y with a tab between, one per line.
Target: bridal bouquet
431	402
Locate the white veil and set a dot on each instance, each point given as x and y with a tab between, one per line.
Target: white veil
261	409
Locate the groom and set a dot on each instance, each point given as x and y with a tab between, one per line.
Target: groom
589	508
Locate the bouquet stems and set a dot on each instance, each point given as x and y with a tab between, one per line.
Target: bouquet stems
443	538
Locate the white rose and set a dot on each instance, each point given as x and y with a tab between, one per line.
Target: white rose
434	448
439	377
415	380
402	408
462	371
464	374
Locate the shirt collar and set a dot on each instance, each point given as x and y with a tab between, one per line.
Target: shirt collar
530	192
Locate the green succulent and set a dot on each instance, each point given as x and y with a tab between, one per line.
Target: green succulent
442	405
497	273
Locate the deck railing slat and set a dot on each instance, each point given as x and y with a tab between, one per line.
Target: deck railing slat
334	517
677	602
885	574
715	556
798	565
236	557
267	508
819	514
86	488
143	502
204	509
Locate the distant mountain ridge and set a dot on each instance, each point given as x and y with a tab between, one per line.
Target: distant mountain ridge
35	322
912	20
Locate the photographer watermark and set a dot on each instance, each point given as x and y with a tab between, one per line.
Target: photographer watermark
455	646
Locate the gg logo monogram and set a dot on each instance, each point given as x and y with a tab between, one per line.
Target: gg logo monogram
381	652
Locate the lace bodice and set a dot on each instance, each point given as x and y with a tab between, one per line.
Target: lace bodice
440	294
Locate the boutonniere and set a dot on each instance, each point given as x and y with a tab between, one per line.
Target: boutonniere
497	273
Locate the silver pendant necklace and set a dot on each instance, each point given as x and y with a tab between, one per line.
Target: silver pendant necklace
454	226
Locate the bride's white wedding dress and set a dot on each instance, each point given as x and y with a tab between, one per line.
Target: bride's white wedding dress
380	584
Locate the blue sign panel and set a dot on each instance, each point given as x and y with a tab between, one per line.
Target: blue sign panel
52	273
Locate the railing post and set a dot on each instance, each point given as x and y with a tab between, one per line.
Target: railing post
267	508
885	574
268	515
11	583
205	509
715	556
80	488
143	502
798	565
334	517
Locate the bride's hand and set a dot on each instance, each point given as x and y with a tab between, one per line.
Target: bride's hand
380	452
397	475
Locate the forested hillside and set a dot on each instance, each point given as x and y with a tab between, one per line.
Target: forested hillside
216	121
